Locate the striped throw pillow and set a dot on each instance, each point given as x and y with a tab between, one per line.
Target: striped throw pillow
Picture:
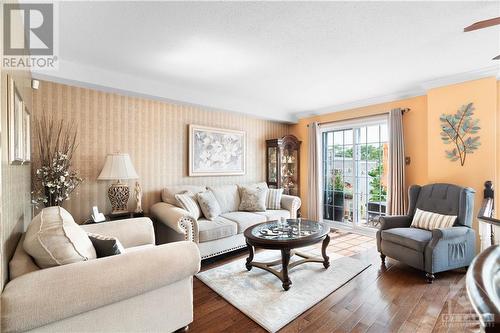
274	198
429	220
188	202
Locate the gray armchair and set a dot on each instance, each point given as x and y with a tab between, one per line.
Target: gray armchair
437	250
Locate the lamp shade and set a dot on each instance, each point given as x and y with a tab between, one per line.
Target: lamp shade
118	167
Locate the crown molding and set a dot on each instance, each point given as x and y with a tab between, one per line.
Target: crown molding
363	102
462	77
419	90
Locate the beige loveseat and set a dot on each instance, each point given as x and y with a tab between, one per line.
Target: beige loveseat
146	289
222	235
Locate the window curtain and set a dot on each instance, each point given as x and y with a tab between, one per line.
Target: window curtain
314	211
396	187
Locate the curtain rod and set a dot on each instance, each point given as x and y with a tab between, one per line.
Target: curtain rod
403	111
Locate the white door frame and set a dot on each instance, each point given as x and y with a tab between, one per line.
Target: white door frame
345	125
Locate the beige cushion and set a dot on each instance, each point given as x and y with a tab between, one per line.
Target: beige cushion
255	185
216	229
188	202
168	193
208	204
53	238
275	214
244	219
253	199
273	200
227	196
21	263
138	248
130	232
429	220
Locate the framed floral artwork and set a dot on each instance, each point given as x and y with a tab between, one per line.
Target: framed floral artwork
216	151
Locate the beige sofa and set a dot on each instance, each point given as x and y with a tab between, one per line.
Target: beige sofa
146	289
225	234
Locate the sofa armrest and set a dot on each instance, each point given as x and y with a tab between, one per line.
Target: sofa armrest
48	295
130	232
177	219
291	203
395	221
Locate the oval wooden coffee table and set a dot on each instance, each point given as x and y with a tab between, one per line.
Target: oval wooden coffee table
294	233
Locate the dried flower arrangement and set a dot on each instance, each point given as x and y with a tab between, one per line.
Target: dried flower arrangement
54	178
457	129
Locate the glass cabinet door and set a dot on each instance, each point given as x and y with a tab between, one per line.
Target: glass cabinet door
272	166
289	171
282	164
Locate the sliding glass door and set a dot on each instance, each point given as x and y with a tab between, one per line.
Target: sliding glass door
355	173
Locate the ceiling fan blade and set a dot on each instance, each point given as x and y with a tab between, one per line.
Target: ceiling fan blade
496	58
483	24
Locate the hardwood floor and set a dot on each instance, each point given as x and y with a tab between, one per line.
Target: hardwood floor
390	298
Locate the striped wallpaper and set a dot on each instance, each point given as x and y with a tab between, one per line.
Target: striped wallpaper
15	179
154	133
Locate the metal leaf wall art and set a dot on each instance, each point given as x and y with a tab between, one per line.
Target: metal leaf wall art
458	129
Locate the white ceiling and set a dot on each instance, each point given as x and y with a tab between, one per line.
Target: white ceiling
275	60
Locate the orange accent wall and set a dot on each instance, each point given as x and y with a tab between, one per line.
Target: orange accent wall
479	166
422	139
497	198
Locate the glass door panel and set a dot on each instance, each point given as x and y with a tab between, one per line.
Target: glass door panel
355	174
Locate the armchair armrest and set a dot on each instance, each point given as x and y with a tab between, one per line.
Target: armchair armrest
130	232
39	298
449	233
450	248
291	203
177	219
395	221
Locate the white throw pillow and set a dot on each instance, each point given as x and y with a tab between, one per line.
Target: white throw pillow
208	204
187	201
227	196
429	220
168	193
253	199
274	198
53	238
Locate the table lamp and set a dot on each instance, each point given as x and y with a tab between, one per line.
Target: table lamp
118	167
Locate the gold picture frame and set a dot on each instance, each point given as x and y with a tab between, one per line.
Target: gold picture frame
19	122
27	135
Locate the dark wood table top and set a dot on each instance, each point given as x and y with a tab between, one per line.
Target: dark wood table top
294	233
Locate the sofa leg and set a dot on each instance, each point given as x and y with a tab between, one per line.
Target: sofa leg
430	277
183	329
382	257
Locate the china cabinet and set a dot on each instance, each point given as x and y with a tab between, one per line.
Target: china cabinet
283	165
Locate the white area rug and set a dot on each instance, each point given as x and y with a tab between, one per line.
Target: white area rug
259	294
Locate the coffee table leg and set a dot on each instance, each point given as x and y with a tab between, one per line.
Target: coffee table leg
285	257
248	265
326	241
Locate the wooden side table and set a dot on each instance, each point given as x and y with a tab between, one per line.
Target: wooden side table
109	217
124	216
